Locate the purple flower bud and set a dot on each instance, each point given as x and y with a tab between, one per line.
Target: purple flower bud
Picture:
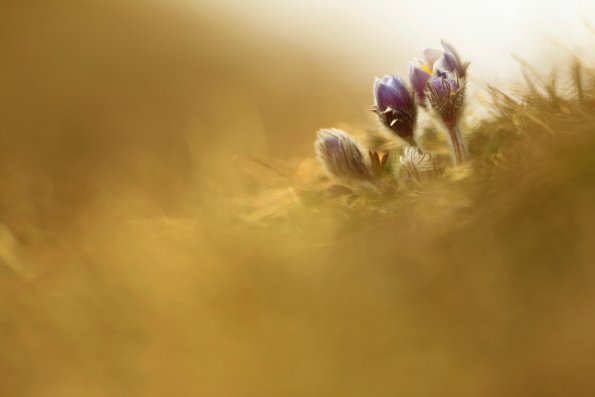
418	78
395	106
392	92
446	95
341	155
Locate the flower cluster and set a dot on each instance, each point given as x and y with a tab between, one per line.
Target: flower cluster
437	84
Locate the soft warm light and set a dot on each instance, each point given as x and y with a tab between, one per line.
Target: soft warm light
385	32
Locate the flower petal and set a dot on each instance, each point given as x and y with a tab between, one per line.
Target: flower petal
431	55
449	48
418	78
447	62
461	67
391	92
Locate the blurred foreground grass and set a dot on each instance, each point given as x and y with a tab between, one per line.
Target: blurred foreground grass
134	263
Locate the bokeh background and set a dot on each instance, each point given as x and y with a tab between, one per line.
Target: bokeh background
130	129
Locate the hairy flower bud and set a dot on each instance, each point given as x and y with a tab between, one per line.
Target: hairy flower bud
446	94
419	165
341	155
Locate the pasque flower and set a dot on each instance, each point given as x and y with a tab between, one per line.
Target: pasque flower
341	155
435	61
446	94
395	106
439	79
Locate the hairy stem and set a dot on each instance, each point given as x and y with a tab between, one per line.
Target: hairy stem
457	143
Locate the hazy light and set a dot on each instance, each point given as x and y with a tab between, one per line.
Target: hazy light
383	32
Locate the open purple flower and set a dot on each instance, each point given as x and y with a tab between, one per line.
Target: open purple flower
434	62
395	106
448	60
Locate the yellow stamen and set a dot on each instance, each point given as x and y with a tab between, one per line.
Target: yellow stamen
426	68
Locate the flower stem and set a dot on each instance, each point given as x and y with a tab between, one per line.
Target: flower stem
457	143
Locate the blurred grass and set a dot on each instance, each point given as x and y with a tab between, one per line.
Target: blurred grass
142	252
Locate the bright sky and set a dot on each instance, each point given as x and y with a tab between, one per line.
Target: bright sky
376	33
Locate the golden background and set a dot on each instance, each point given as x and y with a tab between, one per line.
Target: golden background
130	139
